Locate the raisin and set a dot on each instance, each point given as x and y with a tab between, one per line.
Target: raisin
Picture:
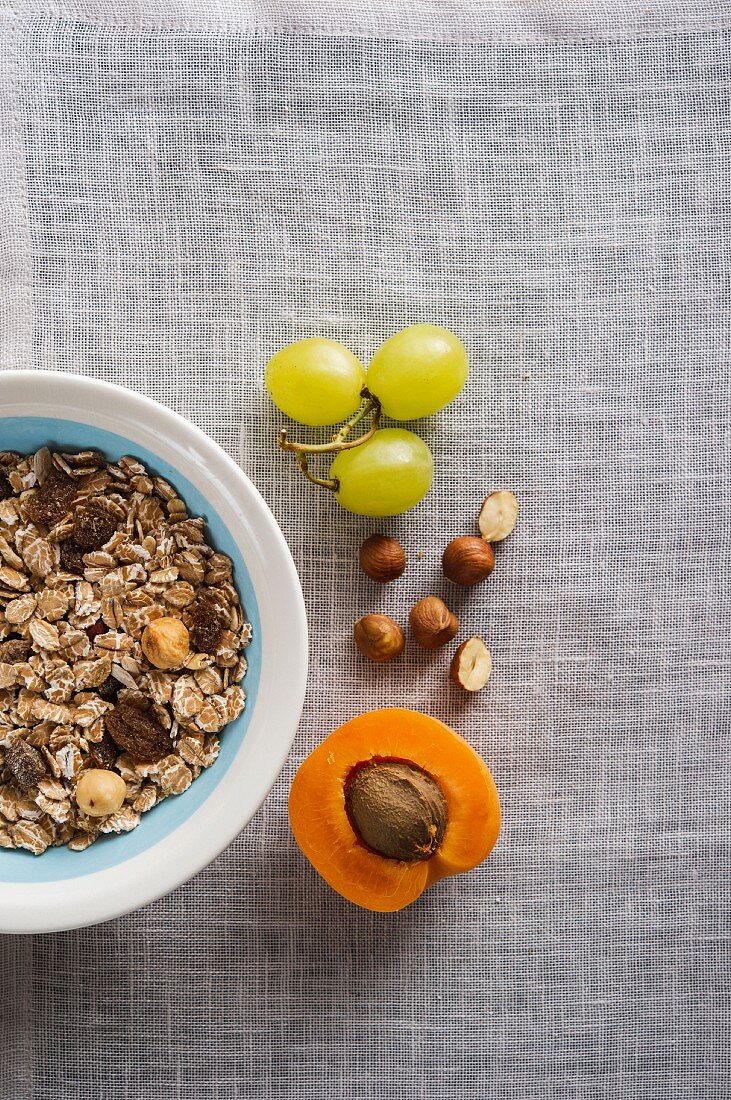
15	649
6	489
25	764
52	501
108	690
136	733
93	526
72	558
209	619
95	629
104	753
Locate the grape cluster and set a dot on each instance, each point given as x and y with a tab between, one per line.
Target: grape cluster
318	382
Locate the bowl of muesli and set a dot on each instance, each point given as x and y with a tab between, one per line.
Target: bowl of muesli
153	650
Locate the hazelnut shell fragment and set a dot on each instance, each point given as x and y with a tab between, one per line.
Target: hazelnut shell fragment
468	560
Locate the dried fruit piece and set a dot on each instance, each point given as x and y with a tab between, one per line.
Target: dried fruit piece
468	560
378	638
471	665
137	733
209	619
109	689
72	557
52	501
498	515
382	558
432	623
15	649
26	764
94	525
104	753
95	630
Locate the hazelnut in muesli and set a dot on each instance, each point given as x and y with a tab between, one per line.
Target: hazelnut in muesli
122	642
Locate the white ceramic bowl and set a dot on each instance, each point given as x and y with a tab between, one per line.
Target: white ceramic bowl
62	889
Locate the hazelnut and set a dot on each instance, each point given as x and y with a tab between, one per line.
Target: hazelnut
378	637
166	642
100	792
382	558
432	623
468	560
471	665
498	515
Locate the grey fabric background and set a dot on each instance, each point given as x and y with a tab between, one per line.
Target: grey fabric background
185	194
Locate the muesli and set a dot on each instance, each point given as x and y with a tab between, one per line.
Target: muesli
122	642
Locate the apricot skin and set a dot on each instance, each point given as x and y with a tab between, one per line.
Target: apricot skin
326	837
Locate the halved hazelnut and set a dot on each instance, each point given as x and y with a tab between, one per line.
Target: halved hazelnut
379	638
468	560
498	515
432	623
383	559
471	665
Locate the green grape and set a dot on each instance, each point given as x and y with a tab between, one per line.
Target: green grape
388	474
315	381
417	371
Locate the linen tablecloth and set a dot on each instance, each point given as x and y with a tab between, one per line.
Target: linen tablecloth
185	188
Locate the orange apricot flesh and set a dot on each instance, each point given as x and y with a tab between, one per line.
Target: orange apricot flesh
326	837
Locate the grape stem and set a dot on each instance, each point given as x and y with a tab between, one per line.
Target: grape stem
330	483
339	441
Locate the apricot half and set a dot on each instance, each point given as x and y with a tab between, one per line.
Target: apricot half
391	802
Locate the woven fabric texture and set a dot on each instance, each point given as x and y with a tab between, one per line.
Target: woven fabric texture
183	194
